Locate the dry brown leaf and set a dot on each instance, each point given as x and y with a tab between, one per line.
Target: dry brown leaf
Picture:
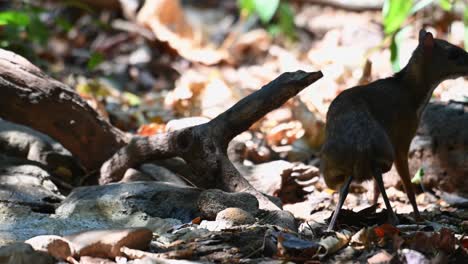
167	20
151	129
333	243
285	133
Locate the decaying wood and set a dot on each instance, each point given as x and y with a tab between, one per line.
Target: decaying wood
31	98
204	147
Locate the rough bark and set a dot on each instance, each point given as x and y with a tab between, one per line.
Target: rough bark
31	98
204	147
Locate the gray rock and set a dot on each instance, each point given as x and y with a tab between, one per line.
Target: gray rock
19	223
280	218
156	199
212	201
21	253
24	142
27	185
27	210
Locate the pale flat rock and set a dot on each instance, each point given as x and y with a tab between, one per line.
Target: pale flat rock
107	243
380	258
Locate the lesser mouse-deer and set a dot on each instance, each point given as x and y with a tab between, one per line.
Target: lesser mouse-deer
370	127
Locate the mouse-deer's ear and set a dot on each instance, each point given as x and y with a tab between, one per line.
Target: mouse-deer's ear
422	33
426	40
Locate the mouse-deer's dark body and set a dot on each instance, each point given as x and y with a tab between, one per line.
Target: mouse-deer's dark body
370	127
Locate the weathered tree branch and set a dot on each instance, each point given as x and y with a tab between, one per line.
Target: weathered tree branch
31	98
249	110
204	147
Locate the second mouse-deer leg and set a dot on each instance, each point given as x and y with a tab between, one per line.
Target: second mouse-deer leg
380	185
401	165
341	199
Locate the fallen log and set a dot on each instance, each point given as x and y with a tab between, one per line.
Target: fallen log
30	97
204	147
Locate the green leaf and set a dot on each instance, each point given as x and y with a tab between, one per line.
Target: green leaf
395	47
132	99
465	21
37	30
16	18
266	9
420	5
286	20
395	13
95	59
417	179
246	6
446	4
64	24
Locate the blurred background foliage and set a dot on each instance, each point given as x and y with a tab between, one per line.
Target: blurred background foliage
31	25
397	13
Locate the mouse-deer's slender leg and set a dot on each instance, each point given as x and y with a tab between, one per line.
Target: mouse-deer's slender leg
401	165
376	192
379	182
341	199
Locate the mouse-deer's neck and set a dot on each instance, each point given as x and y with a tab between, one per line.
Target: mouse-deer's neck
420	80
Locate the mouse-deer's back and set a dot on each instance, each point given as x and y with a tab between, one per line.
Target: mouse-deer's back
355	142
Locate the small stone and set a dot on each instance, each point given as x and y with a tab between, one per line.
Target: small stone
107	243
92	260
381	257
55	246
464	226
22	253
211	202
235	215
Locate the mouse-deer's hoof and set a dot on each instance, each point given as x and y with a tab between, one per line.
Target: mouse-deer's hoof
418	218
393	219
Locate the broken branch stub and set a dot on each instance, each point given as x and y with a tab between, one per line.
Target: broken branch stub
204	147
